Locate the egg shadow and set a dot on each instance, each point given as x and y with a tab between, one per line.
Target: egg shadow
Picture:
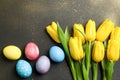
3	59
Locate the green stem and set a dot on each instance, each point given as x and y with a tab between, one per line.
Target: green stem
64	39
70	61
78	70
109	70
88	56
104	77
84	71
95	70
103	63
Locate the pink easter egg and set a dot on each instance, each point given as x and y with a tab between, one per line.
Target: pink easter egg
31	51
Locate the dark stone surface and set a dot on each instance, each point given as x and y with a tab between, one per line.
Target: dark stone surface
22	21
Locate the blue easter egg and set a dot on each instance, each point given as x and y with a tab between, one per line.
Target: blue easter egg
23	69
56	54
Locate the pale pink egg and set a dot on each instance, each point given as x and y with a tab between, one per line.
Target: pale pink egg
31	51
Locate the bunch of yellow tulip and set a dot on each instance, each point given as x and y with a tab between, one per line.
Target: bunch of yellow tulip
86	48
105	30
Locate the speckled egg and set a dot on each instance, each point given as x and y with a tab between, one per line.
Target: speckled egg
12	52
31	51
23	68
43	65
56	54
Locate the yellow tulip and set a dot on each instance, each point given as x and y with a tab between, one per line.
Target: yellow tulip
115	34
104	30
98	51
90	30
52	31
76	33
75	46
113	50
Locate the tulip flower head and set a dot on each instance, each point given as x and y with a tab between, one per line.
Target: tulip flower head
75	46
98	51
113	50
52	31
90	30
116	34
76	33
104	30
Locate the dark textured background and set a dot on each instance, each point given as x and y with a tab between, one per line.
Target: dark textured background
22	21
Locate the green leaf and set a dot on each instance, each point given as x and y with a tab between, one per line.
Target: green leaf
82	33
60	33
67	35
64	38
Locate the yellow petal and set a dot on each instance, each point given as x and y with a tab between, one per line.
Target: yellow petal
115	34
104	30
90	30
53	33
80	48
98	51
54	26
76	33
113	50
75	50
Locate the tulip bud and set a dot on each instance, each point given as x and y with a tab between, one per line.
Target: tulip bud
76	33
52	31
104	30
113	50
75	46
90	30
98	51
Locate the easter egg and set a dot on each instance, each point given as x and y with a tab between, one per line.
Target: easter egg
31	51
12	52
43	65
56	54
23	69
